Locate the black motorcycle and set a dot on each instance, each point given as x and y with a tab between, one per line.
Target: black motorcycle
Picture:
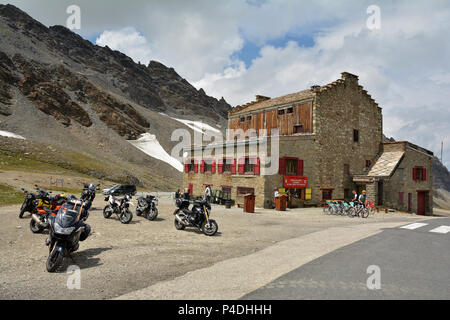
197	217
147	206
121	207
88	194
67	229
34	200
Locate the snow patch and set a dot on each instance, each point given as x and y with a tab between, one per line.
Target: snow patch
11	135
197	125
150	145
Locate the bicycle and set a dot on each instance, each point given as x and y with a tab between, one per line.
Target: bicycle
359	209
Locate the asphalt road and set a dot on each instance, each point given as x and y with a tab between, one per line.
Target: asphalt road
413	264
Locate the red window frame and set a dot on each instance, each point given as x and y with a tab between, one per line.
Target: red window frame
282	166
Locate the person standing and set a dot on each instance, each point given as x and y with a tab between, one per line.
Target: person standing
177	194
208	193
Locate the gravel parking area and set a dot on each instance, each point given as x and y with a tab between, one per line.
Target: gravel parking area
117	259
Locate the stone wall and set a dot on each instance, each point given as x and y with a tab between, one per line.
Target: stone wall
402	181
341	108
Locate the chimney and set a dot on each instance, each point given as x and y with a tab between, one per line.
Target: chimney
261	98
350	78
315	88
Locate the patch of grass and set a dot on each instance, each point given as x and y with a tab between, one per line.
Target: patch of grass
9	195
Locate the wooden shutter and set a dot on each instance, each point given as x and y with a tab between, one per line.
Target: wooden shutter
195	166
282	166
233	166
424	174
257	166
213	166
202	166
300	167
220	166
241	166
414	174
186	167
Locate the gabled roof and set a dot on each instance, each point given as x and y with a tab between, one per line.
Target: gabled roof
386	164
257	105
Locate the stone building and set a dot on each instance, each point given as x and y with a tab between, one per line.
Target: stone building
324	142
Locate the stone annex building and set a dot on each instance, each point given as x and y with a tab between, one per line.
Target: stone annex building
330	142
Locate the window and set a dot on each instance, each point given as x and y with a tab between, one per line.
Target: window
368	163
419	174
249	118
281	112
290	110
291	167
298	128
249	166
192	166
242	191
356	135
208	166
346	169
227	165
327	194
243	119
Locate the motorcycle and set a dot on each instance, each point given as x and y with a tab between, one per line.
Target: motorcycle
121	207
67	229
88	193
34	200
40	218
147	206
198	216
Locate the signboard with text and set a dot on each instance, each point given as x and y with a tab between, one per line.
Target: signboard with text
295	182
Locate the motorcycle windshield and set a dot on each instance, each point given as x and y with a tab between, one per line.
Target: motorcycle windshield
67	217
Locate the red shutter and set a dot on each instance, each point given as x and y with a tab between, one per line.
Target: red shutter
191	188
424	174
233	166
414	174
241	166
282	167
213	166
257	166
300	167
220	166
195	166
186	167
202	166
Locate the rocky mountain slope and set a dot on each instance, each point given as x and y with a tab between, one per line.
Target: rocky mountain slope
57	88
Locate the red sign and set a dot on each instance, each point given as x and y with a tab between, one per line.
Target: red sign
295	182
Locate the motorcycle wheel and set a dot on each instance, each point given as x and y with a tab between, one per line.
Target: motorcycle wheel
22	210
54	260
35	227
126	216
107	212
210	227
138	212
152	214
179	225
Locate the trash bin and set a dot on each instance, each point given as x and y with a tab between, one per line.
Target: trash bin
281	203
228	204
249	203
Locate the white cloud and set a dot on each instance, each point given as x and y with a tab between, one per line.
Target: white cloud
128	41
404	65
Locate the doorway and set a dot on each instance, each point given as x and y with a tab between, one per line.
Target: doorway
421	197
380	193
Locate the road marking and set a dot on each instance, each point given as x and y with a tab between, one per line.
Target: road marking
441	229
413	226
